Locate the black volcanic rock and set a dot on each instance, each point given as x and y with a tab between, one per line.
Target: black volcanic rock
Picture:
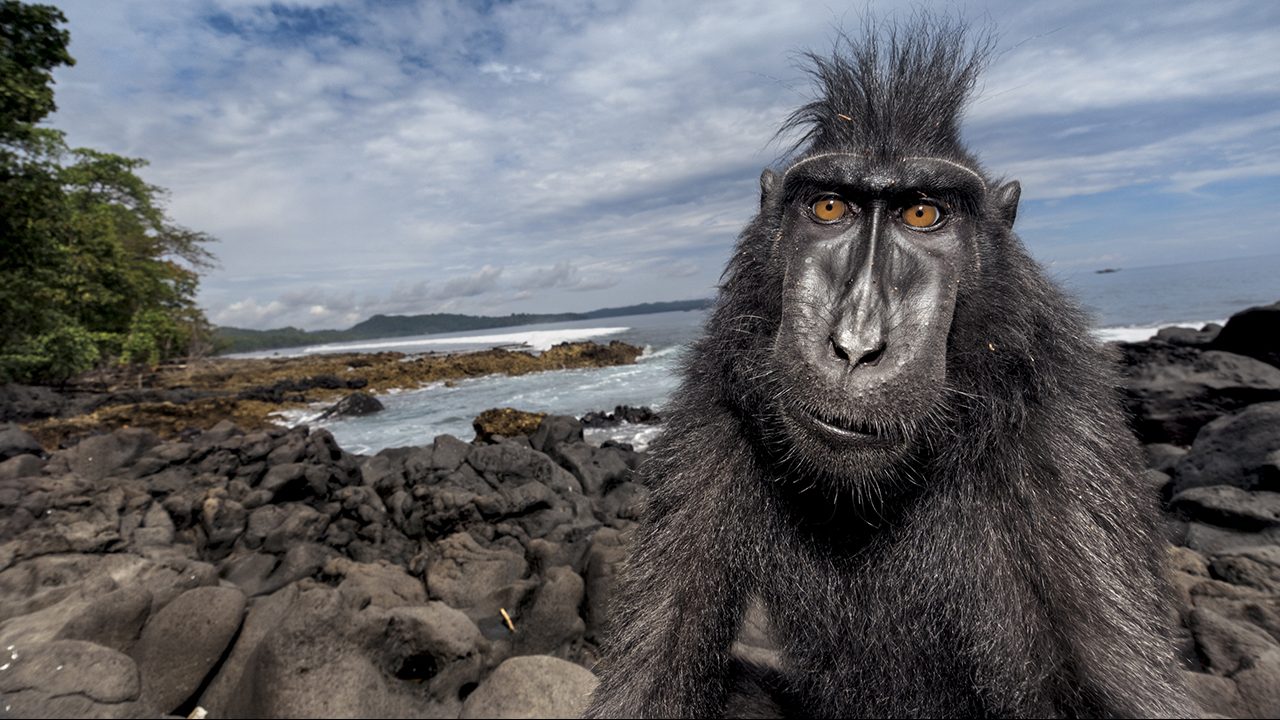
354	405
1254	332
1172	391
1242	450
15	441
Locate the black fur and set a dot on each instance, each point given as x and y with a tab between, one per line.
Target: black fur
1005	563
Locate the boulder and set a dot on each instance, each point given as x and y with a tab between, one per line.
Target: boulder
356	404
1242	450
1229	506
511	463
1189	336
534	686
183	643
461	571
20	466
507	422
69	678
1163	456
24	403
598	469
114	620
552	621
264	615
1257	567
100	456
1254	332
1173	391
555	430
15	441
324	658
604	562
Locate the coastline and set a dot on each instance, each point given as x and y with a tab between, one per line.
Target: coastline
250	392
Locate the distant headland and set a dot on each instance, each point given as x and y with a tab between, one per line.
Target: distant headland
237	340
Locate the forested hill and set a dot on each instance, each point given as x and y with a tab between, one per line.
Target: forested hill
234	340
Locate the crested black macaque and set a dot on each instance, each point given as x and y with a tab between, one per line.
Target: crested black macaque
900	439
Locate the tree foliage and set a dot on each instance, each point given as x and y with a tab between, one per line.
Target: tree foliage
92	268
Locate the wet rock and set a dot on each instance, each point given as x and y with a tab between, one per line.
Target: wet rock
621	414
182	643
532	687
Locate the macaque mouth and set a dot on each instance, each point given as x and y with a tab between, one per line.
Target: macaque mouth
849	430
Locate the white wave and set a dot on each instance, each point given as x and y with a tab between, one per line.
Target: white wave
639	436
664	352
1142	332
535	339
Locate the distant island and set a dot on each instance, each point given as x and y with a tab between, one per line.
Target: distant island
238	340
1105	271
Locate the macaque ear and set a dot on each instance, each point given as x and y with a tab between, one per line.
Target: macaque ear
768	180
1007	201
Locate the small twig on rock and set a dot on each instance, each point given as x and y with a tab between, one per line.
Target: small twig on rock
510	625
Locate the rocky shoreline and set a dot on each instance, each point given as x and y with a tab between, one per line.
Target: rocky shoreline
259	571
186	398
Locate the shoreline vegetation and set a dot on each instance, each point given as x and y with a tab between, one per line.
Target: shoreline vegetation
175	399
230	340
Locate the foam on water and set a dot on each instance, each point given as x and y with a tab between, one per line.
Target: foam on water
539	340
1138	334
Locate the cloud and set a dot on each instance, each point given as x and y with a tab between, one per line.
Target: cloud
365	157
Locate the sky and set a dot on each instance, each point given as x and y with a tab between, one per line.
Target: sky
355	158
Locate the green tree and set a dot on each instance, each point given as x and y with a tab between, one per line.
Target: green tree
92	268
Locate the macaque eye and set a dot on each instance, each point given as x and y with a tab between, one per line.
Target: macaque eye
829	208
922	216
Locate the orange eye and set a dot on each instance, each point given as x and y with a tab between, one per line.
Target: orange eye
922	216
830	209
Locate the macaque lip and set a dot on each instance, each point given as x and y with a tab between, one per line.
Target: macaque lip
848	432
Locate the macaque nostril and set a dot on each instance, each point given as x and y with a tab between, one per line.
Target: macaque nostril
838	350
854	359
872	356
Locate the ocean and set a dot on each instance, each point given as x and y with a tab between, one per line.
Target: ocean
1130	304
